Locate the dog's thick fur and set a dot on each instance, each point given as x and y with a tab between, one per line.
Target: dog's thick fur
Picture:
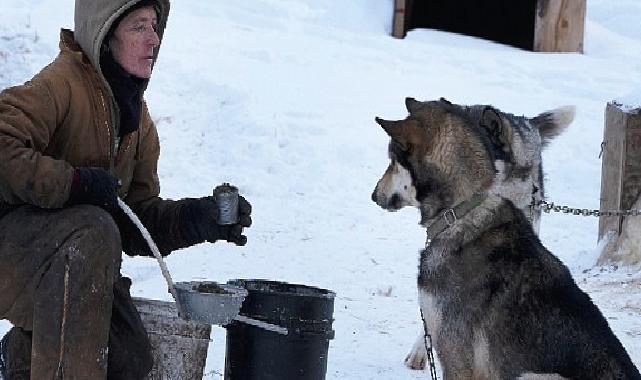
497	304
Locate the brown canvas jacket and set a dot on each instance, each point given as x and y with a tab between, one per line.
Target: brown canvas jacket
66	117
61	119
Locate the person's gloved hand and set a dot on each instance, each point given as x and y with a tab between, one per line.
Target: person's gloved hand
94	186
199	220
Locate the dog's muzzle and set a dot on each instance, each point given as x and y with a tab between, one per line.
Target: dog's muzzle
391	204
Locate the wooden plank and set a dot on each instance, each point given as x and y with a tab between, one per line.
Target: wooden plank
399	19
559	26
623	245
631	183
612	167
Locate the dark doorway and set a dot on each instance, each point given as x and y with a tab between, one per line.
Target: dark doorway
506	21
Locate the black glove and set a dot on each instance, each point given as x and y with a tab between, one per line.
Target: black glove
198	219
94	186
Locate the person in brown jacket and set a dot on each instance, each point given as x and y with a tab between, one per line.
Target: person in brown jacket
72	140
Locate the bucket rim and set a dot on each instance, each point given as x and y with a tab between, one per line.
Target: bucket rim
232	291
320	292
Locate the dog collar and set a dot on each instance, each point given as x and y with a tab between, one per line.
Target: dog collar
450	216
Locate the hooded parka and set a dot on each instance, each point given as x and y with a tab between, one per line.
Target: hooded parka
66	117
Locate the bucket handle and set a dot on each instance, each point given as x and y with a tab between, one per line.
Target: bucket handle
260	324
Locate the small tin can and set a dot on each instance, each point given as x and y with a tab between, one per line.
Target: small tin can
227	200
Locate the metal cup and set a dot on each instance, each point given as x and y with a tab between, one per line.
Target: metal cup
227	201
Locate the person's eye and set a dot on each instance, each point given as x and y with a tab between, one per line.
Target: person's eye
139	28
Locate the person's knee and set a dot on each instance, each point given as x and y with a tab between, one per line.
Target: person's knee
96	231
97	221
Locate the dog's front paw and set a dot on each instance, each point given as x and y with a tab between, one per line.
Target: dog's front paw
417	358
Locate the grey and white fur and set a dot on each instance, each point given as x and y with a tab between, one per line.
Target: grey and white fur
496	302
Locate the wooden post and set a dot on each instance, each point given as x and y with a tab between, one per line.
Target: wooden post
400	20
559	25
621	167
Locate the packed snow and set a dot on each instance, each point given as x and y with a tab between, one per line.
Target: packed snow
631	103
279	98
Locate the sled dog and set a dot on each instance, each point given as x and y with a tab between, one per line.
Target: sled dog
496	303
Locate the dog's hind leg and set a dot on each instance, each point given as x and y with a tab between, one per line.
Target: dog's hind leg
417	358
540	376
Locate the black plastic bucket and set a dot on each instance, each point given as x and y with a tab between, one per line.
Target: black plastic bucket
256	353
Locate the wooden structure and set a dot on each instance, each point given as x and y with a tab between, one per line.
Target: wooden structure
559	25
401	18
536	25
621	168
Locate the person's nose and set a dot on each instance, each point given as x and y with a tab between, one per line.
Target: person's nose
153	39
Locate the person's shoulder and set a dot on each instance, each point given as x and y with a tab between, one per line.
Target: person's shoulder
69	65
66	77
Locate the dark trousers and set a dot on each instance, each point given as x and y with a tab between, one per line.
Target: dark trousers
60	286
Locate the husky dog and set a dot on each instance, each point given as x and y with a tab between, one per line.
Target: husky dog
496	303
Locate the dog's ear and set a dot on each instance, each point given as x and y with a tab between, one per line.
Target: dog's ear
498	130
412	105
406	132
552	123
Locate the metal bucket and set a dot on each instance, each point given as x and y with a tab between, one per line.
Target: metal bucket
209	302
179	347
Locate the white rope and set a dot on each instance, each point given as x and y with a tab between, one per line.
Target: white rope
156	252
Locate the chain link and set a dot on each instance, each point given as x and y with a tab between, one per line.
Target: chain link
550	206
427	340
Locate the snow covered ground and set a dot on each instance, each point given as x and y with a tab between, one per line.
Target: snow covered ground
279	96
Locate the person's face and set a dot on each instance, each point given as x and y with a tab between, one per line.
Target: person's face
134	41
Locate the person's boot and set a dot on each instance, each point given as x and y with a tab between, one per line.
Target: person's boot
15	355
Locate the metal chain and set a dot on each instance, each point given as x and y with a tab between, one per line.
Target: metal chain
428	347
550	206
